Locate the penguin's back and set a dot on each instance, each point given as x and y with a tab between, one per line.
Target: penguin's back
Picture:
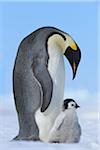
34	46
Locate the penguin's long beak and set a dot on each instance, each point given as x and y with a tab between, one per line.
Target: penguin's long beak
73	56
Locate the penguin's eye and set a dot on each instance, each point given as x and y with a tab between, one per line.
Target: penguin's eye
72	104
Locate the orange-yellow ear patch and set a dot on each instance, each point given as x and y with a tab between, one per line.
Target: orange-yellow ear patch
71	43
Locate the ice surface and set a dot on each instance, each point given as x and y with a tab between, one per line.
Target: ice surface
9	128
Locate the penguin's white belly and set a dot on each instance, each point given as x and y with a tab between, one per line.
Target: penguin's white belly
56	69
57	73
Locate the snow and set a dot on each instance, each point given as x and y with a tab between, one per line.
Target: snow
88	118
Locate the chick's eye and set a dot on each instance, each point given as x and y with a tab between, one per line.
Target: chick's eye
72	104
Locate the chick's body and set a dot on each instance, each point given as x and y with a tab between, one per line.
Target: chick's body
66	128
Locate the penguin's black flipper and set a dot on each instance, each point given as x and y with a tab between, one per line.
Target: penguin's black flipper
42	75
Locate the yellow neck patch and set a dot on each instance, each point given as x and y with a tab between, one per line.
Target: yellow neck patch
57	40
71	43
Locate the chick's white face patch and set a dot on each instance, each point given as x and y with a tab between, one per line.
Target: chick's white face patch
71	105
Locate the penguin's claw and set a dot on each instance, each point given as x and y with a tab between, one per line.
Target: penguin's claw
31	138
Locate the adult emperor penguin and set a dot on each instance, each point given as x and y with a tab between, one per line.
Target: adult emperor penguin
66	128
38	79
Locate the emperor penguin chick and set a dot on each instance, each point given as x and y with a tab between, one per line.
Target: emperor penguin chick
66	128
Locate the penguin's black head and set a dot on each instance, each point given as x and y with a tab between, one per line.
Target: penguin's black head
72	53
67	46
70	104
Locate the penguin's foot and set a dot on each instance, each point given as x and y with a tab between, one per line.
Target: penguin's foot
30	138
54	142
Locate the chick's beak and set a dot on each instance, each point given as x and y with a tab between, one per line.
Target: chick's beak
77	106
